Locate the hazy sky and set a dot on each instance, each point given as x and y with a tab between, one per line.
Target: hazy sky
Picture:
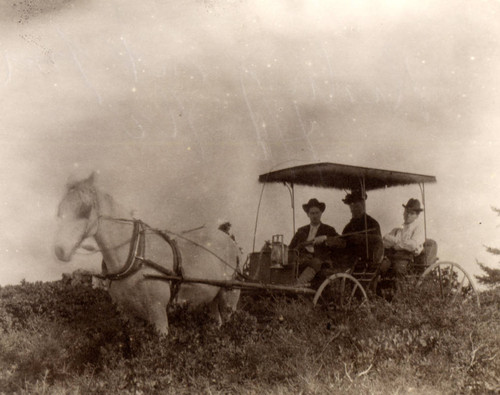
180	106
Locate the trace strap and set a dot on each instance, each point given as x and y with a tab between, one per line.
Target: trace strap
136	258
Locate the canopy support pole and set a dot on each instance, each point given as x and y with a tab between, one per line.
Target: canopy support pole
291	191
293	208
363	194
422	193
257	217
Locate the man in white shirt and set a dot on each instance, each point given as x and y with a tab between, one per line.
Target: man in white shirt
404	243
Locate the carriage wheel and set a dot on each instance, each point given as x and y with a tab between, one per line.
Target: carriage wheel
340	292
450	282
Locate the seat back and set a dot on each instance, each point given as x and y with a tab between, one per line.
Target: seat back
427	257
430	251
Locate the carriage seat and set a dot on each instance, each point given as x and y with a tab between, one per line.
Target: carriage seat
416	264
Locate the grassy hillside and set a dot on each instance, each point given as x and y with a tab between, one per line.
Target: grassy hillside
61	339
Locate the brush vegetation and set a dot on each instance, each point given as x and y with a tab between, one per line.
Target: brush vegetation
56	338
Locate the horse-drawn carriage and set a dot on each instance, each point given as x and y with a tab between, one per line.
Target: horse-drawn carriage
148	267
273	265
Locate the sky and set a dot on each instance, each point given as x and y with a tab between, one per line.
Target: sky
180	105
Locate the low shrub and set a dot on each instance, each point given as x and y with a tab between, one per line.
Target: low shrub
71	339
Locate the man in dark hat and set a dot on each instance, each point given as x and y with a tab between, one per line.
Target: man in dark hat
405	242
360	229
309	241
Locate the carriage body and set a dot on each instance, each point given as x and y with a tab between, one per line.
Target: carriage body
262	269
363	274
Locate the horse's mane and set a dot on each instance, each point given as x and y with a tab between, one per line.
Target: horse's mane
86	196
84	189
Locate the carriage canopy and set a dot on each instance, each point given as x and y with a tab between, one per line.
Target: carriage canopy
346	177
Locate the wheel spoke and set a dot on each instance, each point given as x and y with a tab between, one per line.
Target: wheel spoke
452	280
459	290
353	292
342	291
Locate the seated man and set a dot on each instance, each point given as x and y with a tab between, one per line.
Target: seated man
309	241
360	232
404	243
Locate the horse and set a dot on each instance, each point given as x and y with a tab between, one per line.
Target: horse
133	253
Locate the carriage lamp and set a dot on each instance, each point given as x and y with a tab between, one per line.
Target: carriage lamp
279	252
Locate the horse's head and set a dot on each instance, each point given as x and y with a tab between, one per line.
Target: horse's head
78	217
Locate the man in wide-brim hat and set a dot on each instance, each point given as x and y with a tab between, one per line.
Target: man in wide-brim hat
361	235
404	243
413	205
309	241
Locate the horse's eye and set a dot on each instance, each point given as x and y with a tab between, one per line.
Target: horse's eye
84	211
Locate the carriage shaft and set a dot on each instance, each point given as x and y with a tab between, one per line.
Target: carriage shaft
235	284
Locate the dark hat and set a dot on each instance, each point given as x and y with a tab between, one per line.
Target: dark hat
354	196
314	203
413	205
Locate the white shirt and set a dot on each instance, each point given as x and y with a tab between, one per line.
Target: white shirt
409	237
313	229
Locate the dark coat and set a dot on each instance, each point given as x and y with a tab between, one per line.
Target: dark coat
320	250
356	244
358	225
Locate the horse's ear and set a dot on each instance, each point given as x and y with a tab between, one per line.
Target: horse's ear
91	179
74	181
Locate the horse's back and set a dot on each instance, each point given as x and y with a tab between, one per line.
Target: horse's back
208	254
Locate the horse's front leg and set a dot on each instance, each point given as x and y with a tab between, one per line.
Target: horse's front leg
158	297
158	317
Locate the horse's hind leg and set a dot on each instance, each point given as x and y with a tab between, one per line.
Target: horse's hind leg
228	301
224	305
214	311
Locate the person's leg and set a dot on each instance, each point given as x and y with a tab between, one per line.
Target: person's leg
401	267
311	266
385	265
400	270
385	282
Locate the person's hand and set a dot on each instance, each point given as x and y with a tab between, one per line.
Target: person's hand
319	240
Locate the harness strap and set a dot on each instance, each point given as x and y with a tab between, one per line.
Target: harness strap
132	265
136	259
177	269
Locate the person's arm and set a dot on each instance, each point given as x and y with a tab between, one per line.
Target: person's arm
391	238
297	239
333	239
414	241
294	242
375	227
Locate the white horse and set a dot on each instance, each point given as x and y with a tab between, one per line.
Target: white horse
131	250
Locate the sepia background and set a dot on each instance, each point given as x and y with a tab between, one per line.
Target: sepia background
180	105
